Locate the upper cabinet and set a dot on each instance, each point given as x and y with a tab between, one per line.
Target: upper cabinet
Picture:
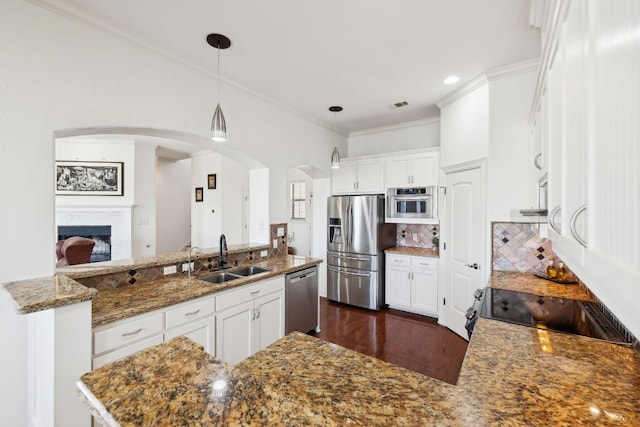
365	176
413	170
373	175
585	115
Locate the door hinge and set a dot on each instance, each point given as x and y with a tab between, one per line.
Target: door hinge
444	301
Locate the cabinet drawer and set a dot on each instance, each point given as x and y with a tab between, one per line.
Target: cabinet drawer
193	310
424	262
125	351
126	333
395	259
248	292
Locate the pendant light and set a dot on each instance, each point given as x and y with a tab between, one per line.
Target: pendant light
218	124
335	156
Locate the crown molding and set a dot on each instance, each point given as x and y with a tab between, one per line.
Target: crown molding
513	69
93	24
395	127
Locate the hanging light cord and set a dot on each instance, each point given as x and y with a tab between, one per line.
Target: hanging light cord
218	72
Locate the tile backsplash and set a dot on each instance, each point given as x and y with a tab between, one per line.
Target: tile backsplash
418	235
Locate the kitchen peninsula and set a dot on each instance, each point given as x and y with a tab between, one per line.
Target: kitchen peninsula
512	375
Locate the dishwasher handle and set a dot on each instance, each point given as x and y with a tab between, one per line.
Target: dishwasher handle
294	279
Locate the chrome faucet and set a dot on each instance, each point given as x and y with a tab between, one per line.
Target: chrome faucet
189	261
224	252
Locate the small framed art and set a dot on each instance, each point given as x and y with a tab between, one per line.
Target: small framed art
211	181
199	194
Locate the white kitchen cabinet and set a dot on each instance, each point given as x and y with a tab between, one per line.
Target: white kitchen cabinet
193	319
587	95
364	176
411	283
413	170
249	319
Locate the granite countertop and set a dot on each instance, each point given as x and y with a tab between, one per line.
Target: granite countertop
529	283
412	250
127	301
44	293
107	267
511	375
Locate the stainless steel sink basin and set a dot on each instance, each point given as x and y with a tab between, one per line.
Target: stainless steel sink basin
220	277
249	270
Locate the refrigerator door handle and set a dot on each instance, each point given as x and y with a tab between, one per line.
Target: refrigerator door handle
350	273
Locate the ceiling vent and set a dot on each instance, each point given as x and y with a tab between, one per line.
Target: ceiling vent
398	105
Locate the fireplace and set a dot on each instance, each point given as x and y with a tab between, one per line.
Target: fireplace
101	234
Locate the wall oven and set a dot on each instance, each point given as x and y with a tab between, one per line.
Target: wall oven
415	205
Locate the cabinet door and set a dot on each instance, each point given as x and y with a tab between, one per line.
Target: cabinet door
424	291
201	331
343	180
398	170
425	169
269	319
234	333
128	350
397	285
370	176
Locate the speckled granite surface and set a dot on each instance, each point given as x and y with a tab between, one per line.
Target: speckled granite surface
527	376
412	250
44	293
298	381
529	283
107	267
121	303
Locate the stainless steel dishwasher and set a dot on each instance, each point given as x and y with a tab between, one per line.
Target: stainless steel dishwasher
301	300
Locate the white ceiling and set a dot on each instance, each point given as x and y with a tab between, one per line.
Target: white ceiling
307	55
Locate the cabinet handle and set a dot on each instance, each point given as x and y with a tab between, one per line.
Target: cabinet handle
253	314
255	292
409	275
572	225
257	312
192	313
128	334
354	185
552	216
536	161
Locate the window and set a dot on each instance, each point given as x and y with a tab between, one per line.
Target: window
298	195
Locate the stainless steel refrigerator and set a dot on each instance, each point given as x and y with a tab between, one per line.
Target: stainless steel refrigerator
357	236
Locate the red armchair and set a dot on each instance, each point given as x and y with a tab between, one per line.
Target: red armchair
74	250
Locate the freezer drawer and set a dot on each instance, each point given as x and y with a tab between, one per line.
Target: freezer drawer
353	261
356	287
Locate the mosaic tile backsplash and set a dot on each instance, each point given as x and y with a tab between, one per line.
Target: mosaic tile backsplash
426	235
282	240
518	247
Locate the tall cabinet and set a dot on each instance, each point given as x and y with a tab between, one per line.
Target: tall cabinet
586	114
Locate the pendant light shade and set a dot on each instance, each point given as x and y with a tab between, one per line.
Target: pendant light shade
335	156
218	123
218	126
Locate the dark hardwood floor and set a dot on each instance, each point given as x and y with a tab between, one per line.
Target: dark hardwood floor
414	342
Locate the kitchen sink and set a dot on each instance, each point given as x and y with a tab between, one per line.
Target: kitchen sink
220	277
249	270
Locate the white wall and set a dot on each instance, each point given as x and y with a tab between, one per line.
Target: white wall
84	78
300	229
407	136
464	126
233	180
321	191
143	224
173	204
206	216
278	195
509	163
259	231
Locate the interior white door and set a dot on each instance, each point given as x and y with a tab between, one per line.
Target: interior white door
464	219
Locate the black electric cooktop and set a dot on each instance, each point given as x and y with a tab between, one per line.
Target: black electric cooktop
544	312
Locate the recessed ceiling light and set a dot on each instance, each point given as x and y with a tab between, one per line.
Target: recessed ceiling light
451	80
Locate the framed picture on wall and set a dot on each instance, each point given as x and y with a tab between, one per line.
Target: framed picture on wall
80	178
211	181
199	194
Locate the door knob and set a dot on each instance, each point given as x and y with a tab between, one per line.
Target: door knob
475	265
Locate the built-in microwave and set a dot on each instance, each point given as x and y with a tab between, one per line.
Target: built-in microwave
416	204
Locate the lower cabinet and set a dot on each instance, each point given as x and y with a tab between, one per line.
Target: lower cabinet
248	319
202	331
411	283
